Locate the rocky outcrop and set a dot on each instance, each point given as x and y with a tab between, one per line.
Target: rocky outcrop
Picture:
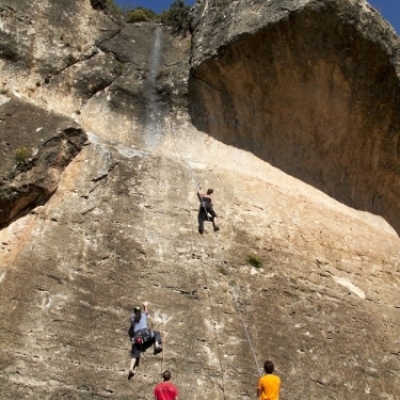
83	52
47	54
310	87
121	227
36	147
124	103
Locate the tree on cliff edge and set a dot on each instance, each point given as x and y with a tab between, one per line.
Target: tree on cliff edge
178	17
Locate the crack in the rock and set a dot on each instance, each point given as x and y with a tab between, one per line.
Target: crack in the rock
88	57
205	82
101	89
109	38
101	177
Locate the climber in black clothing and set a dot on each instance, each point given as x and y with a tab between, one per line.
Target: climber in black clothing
206	212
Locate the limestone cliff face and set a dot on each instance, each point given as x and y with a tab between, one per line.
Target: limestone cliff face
119	225
48	45
310	87
83	62
36	147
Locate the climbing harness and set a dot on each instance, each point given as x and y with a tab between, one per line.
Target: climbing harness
142	336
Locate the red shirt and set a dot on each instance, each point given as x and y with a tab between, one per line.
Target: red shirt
165	391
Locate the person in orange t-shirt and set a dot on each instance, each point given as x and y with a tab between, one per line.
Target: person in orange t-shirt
269	385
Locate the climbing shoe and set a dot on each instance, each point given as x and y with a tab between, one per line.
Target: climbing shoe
216	228
131	374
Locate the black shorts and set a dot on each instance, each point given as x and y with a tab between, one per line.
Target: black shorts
205	216
138	349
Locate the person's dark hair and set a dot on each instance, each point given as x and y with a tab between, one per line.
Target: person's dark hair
209	191
166	375
269	367
138	314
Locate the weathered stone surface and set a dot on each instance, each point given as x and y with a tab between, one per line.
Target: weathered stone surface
40	44
47	144
145	84
121	228
311	87
82	53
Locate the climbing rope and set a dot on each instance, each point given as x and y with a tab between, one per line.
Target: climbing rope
192	250
233	289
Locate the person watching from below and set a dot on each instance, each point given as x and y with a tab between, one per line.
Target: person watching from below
166	390
269	385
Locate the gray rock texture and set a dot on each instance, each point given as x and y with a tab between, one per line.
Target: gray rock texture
49	46
120	226
36	147
310	87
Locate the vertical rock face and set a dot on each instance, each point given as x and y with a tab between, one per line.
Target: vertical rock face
50	52
46	40
121	226
310	87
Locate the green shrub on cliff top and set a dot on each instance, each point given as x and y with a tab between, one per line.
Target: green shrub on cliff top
178	17
140	14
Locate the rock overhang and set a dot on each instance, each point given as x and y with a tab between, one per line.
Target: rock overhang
312	88
219	23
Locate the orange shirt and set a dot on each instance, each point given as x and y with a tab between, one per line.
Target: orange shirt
269	386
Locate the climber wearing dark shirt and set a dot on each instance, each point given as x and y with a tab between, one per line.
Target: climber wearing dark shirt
206	212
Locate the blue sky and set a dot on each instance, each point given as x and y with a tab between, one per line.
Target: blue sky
390	9
155	5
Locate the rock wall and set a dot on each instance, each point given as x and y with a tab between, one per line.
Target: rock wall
310	87
36	147
46	44
120	111
121	228
88	65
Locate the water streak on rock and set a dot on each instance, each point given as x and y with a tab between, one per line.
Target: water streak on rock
153	129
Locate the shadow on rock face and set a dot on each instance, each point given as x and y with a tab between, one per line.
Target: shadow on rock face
36	148
315	97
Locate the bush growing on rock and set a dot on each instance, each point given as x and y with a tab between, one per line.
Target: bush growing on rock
22	155
140	14
254	260
178	17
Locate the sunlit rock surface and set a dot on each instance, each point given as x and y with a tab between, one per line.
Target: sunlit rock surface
310	87
121	227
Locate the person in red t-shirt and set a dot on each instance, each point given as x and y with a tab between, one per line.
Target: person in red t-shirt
166	390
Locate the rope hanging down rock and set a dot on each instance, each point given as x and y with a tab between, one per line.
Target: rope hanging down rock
234	289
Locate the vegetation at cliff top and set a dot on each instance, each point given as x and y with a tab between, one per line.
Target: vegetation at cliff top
106	5
178	16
